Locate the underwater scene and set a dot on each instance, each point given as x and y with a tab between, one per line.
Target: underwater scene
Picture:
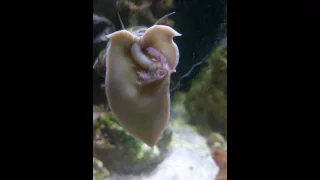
159	90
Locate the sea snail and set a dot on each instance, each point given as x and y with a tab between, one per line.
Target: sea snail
139	64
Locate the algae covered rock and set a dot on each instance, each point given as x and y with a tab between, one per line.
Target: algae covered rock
206	100
121	152
99	172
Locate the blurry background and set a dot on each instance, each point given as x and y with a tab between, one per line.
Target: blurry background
195	142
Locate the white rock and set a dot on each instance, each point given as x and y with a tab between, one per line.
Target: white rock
190	159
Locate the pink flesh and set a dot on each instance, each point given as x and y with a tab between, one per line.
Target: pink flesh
159	57
153	75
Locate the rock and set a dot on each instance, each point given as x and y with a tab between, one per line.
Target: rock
121	152
206	100
99	172
216	141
